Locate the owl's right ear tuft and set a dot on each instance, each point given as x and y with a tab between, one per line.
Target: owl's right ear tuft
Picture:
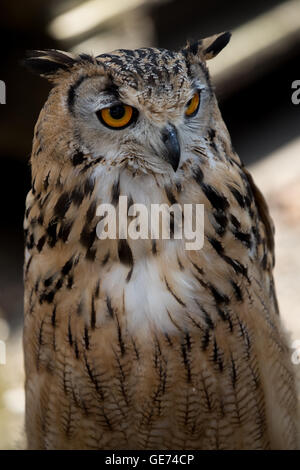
48	63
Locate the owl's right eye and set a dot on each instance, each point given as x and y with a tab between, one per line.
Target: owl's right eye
118	116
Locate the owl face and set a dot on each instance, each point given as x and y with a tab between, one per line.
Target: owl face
143	109
143	112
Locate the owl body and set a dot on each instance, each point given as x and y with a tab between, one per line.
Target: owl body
143	344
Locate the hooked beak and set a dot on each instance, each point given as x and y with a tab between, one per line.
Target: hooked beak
170	139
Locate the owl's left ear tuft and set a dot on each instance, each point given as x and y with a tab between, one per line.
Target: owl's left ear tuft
215	44
207	48
49	63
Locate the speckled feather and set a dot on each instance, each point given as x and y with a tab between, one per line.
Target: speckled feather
143	344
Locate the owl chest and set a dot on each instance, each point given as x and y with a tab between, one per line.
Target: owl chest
148	292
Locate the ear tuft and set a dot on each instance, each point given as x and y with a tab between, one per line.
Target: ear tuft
48	62
205	49
216	44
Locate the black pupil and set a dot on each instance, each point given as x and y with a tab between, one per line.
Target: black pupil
117	112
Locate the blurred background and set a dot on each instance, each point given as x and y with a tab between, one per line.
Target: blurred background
253	78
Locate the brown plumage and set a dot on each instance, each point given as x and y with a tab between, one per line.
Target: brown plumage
141	344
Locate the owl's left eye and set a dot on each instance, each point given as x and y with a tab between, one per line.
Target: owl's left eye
118	116
193	105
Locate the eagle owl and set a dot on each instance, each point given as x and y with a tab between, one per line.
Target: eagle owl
141	343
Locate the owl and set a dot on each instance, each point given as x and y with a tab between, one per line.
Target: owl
140	343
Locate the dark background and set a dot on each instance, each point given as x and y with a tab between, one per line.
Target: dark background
256	104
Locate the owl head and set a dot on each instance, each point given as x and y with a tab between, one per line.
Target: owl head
141	109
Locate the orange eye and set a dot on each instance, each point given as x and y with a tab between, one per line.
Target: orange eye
193	105
116	117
